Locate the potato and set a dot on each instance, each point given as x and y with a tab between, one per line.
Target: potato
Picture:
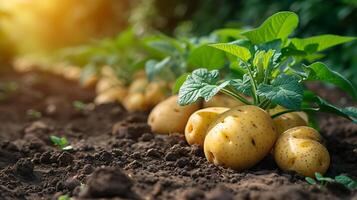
198	123
169	117
138	85
155	92
90	82
111	95
240	137
106	83
299	149
222	100
72	73
135	102
288	120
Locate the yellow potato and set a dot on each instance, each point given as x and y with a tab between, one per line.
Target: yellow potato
299	149
135	102
138	85
90	82
72	73
106	83
198	123
288	120
169	117
111	95
155	92
222	100
240	137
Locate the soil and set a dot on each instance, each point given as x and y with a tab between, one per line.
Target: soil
115	156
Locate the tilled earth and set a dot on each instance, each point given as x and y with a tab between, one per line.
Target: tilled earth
115	156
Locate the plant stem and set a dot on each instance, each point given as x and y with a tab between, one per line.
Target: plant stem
291	110
264	104
254	85
236	96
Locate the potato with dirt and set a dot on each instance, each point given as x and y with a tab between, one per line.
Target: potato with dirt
299	149
198	123
240	137
169	117
288	120
222	100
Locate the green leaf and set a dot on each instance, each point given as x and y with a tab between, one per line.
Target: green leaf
318	175
322	42
242	85
262	58
311	181
200	84
319	71
324	106
207	57
61	142
286	90
179	81
278	26
238	51
346	181
166	69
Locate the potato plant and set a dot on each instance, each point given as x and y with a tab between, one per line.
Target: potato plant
272	73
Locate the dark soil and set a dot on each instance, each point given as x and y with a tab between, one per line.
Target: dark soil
116	156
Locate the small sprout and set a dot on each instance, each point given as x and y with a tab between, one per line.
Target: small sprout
311	181
79	105
346	181
61	142
342	179
64	197
34	114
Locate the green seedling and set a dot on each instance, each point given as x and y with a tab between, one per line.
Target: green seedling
272	71
64	197
79	105
342	179
34	114
61	142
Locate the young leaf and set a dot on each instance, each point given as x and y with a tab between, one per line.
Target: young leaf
286	90
207	57
278	26
322	42
262	58
319	71
346	181
238	51
311	181
200	84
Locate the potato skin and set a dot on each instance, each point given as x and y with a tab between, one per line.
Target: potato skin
169	117
222	100
299	149
240	137
288	120
155	92
111	95
135	102
198	123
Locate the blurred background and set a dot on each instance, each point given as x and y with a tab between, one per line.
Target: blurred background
39	27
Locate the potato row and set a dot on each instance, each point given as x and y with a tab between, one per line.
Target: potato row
231	134
240	136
